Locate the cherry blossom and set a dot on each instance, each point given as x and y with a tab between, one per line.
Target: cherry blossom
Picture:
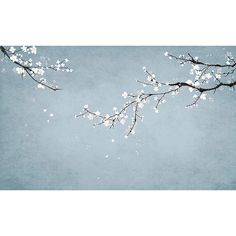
124	94
21	57
206	78
14	58
12	49
20	70
40	86
33	50
203	96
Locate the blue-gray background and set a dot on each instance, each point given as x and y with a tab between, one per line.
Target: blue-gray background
175	149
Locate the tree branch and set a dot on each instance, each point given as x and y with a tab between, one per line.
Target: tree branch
26	67
204	82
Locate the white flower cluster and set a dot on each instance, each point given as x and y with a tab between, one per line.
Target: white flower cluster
25	65
14	58
38	71
166	54
20	71
61	65
124	95
29	50
16	55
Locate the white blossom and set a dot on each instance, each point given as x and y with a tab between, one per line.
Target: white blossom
208	75
133	132
141	105
33	50
24	48
155	88
41	86
203	96
14	58
38	63
190	82
106	123
90	116
35	70
196	67
124	94
149	78
12	49
20	70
